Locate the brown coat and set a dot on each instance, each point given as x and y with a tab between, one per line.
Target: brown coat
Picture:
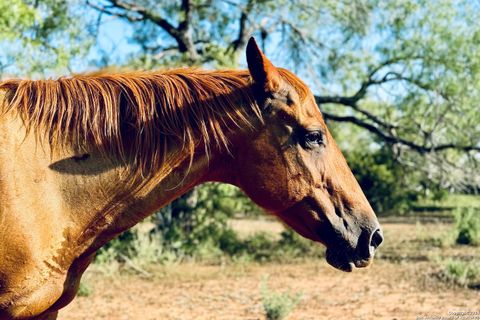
86	157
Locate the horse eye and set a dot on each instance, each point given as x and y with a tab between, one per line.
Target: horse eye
313	138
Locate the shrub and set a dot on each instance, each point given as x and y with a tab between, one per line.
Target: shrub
263	246
143	249
383	180
84	289
467	226
277	305
388	185
260	246
122	244
462	273
427	239
135	250
148	249
107	261
194	224
293	245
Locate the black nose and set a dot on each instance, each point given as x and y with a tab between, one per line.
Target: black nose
377	239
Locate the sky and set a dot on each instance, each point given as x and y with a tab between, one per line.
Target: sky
112	40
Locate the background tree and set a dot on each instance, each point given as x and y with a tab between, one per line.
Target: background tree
405	71
41	38
397	76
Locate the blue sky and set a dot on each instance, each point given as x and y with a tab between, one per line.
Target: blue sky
112	39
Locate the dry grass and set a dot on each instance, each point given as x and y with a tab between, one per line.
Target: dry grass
402	284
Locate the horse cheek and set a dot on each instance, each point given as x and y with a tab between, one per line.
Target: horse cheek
264	178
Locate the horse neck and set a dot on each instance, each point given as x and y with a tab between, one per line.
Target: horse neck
75	204
177	176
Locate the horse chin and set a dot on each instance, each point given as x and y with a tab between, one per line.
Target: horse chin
342	261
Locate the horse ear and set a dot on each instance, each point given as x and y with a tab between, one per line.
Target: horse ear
263	72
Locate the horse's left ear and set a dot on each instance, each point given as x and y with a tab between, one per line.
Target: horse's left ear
263	72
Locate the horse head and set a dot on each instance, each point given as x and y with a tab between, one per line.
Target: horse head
293	168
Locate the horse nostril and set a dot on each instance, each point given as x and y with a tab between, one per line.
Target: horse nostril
377	239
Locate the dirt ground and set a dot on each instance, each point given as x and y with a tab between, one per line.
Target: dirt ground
389	289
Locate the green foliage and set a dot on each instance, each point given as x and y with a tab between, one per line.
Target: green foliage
390	186
139	249
449	202
419	60
292	245
195	223
108	260
191	226
42	37
467	226
121	244
15	16
148	249
427	239
264	246
195	226
84	290
461	273
260	247
277	305
132	248
383	180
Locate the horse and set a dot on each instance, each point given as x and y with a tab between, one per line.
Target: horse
85	157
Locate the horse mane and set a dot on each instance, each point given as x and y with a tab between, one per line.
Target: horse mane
137	115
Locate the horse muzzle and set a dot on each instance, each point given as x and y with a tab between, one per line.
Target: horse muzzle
344	257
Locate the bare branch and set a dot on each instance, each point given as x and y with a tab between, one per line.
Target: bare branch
185	24
391	61
107	10
147	15
243	33
352	103
392	139
136	13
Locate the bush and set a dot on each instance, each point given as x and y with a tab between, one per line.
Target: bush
135	250
122	244
195	226
84	290
467	226
382	180
260	247
462	273
148	249
427	239
277	305
196	223
264	247
388	185
139	250
293	245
